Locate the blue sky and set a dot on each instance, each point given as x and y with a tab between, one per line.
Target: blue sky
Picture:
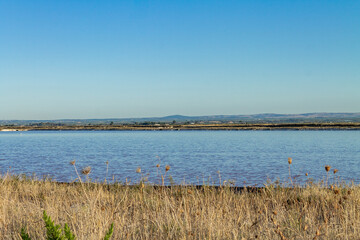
105	59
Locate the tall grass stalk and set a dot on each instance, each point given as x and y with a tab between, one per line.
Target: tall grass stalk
290	161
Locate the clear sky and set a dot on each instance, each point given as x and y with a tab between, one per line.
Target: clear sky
105	59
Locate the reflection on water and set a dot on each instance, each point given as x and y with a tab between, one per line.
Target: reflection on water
194	156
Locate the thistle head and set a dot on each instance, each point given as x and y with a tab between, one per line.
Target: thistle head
86	170
327	168
335	170
306	174
157	165
72	162
289	160
167	168
138	170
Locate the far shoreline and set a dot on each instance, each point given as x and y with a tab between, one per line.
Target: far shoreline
187	127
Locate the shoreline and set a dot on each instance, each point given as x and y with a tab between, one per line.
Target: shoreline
178	127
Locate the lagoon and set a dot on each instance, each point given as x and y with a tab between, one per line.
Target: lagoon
196	157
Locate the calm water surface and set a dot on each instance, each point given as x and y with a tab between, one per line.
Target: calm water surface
194	156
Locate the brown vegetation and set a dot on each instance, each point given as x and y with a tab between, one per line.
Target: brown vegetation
145	211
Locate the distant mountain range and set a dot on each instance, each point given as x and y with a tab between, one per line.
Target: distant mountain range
263	118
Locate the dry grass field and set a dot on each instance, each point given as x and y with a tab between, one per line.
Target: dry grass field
144	211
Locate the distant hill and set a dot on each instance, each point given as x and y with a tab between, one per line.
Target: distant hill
254	118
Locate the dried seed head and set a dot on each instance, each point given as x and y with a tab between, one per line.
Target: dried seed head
289	160
107	162
138	170
335	170
327	167
275	212
332	187
336	191
306	174
189	191
349	192
167	168
157	165
72	162
86	170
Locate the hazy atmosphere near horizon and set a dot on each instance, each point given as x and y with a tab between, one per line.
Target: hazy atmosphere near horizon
107	59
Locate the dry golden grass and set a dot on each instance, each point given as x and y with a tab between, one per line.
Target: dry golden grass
179	212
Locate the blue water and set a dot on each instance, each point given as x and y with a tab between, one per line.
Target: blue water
194	156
